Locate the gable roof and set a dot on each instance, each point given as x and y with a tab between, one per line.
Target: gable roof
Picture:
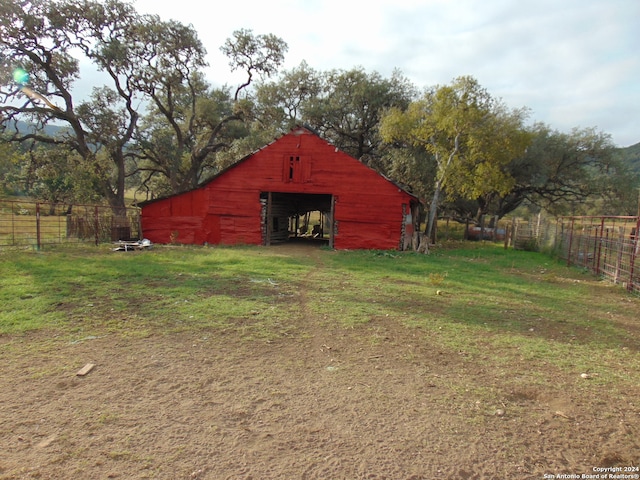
294	131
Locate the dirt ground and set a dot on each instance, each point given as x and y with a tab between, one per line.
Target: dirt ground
380	401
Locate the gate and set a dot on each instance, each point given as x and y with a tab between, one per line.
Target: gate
39	223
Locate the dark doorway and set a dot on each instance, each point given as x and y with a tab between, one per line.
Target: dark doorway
297	217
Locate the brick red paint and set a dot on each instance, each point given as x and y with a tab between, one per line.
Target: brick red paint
227	209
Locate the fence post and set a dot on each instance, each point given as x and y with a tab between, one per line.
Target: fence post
559	224
598	248
579	238
507	233
573	220
38	226
96	224
635	247
593	235
608	243
616	276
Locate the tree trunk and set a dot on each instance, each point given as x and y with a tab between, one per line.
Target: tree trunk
441	176
433	209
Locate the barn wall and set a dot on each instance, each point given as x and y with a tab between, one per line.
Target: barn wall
176	219
368	221
368	210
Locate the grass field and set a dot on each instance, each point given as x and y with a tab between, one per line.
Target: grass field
454	292
513	329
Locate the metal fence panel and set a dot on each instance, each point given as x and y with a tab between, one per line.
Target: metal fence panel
608	246
40	223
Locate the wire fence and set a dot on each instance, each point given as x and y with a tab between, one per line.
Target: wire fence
608	246
34	224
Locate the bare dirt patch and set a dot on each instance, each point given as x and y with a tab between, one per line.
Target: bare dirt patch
377	401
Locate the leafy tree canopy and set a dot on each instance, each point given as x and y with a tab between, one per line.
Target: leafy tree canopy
470	136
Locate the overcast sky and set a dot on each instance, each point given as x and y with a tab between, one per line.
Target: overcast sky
574	63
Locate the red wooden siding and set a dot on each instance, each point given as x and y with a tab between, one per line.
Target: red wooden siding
370	211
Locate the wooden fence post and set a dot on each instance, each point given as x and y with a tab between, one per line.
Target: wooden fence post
507	233
38	240
559	224
96	225
573	220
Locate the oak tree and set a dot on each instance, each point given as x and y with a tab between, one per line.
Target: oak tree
349	107
470	136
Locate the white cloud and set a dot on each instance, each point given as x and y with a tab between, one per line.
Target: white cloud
572	62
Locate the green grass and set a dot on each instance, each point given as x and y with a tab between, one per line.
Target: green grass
69	288
474	298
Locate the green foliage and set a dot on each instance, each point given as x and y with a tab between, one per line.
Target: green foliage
139	54
193	129
47	173
10	159
410	166
254	54
621	185
57	175
349	107
631	157
281	103
566	173
470	136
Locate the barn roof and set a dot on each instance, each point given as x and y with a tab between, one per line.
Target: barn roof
246	157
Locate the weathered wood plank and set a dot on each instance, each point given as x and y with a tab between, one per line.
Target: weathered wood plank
86	369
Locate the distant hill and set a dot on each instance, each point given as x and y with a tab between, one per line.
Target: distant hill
50	130
631	156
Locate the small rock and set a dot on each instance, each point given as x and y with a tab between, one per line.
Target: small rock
499	413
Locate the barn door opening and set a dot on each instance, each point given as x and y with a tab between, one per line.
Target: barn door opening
299	217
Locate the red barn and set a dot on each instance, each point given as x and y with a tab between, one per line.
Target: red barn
262	199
